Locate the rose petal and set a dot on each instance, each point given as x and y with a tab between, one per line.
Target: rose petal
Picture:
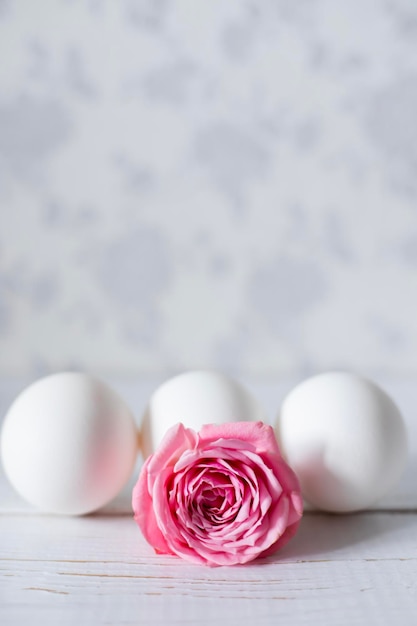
260	435
177	440
144	515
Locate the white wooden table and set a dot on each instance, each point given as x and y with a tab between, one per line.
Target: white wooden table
351	569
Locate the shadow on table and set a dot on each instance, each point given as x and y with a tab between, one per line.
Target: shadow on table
323	535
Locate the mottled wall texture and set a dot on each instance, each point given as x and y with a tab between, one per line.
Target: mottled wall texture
208	184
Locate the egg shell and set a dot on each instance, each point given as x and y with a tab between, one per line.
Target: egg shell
68	444
196	398
345	439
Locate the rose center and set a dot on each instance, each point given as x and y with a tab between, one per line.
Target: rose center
210	500
216	504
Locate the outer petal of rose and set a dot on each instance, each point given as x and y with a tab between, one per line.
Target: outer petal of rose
296	511
176	440
260	435
280	543
290	485
214	558
208	555
144	513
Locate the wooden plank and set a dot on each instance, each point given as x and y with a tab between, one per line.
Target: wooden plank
339	570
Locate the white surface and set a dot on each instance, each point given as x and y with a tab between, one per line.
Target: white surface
196	398
69	443
345	439
358	569
339	570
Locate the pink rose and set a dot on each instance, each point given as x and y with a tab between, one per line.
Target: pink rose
220	497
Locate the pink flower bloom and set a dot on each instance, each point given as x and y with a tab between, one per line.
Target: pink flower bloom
220	497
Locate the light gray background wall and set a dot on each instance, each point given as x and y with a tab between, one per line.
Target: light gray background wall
208	183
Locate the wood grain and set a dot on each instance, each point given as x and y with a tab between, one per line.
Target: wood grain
98	569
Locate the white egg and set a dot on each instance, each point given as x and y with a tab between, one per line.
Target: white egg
68	444
345	439
196	398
